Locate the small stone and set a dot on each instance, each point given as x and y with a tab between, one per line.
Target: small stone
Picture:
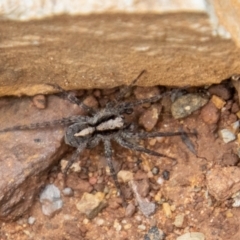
210	114
81	185
234	127
238	114
223	182
191	236
117	226
187	104
143	187
229	159
154	234
85	221
125	176
150	117
75	166
179	219
31	220
67	191
236	199
220	90
146	207
229	213
91	204
158	197
235	108
142	227
51	200
152	141
167	209
146	92
92	180
91	101
166	175
100	221
127	226
226	135
39	101
155	170
160	180
218	102
130	210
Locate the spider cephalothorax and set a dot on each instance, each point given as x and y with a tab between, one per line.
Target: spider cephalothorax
104	125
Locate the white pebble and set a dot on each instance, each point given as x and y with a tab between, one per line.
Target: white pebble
226	135
142	227
160	180
50	199
31	220
67	191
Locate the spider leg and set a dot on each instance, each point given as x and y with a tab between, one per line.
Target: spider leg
74	158
108	155
126	144
123	92
147	100
60	122
143	135
73	99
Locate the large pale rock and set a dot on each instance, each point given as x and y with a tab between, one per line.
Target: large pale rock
27	156
103	51
229	17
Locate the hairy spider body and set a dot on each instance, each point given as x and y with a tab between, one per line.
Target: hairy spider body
105	125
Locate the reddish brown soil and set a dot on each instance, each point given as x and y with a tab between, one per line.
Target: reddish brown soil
185	191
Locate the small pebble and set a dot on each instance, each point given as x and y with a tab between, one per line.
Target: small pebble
166	175
125	176
50	199
187	104
155	170
100	221
142	227
130	210
221	91
191	236
235	127
179	219
150	117
146	92
236	199
117	226
146	207
39	101
218	102
154	234
226	135
91	204
31	220
92	180
167	209
229	159
143	187
210	114
160	180
67	191
127	226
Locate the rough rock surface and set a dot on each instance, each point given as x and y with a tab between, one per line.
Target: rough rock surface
103	51
27	156
227	179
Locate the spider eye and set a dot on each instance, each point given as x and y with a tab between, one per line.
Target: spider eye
129	111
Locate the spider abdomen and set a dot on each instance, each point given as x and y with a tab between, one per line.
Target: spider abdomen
79	132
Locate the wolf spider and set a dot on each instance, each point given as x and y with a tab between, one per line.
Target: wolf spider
103	125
